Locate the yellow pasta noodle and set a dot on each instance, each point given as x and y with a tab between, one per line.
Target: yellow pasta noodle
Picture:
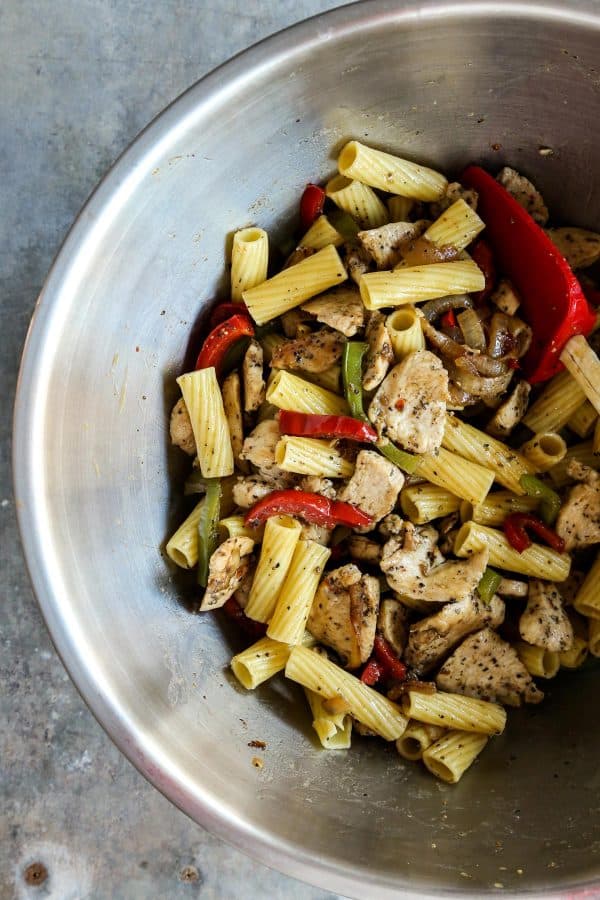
249	260
594	636
334	729
232	405
583	420
583	453
269	342
311	456
368	706
330	379
202	397
320	234
279	542
450	756
456	227
406	334
461	477
587	599
583	364
400	208
234	526
561	397
477	446
294	285
262	660
288	391
576	655
538	661
182	547
455	711
357	199
422	503
414	284
497	507
536	561
417	738
390	173
544	450
298	592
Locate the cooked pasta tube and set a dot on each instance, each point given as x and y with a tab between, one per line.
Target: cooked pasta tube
232	405
249	260
594	636
456	227
587	599
451	756
461	477
357	199
561	397
576	655
269	342
202	397
583	364
390	173
536	561
234	526
455	711
545	450
583	453
262	660
368	706
583	420
298	592
182	547
406	334
399	208
414	284
320	234
538	661
281	536
422	503
288	391
330	379
294	285
334	729
508	465
311	456
497	507
417	738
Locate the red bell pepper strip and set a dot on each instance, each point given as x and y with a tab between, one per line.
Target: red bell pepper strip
552	299
393	668
308	506
372	672
311	204
223	311
311	425
221	339
483	256
519	540
252	629
448	320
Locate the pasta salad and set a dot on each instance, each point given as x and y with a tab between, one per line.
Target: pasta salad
395	450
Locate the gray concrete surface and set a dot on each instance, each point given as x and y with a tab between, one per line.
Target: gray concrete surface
78	80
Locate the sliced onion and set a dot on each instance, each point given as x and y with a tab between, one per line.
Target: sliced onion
434	308
472	329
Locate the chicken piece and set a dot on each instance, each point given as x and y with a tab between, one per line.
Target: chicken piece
180	427
344	614
318	533
510	413
454	191
252	371
391	525
578	521
545	622
581	248
341	309
363	549
232	404
505	297
241	595
356	259
259	449
415	568
432	638
314	352
316	484
249	489
488	668
524	193
374	485
227	568
410	405
293	323
512	587
392	622
380	354
383	244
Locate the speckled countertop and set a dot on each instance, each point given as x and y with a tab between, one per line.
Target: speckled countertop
79	80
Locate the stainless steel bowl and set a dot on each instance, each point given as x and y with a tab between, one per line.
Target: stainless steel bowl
443	83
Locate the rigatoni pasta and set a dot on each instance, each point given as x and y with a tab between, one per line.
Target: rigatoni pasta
414	284
359	200
422	503
334	729
320	234
406	334
249	260
202	397
311	456
455	711
450	756
463	478
288	391
537	561
390	173
281	536
559	400
507	464
297	593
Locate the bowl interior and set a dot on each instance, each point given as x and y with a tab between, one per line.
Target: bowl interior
97	485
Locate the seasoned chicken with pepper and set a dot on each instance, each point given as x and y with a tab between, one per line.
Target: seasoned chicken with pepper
380	354
524	193
228	567
314	352
374	485
544	622
384	243
578	521
254	383
181	429
341	309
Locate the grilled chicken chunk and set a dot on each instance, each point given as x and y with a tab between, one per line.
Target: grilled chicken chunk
380	354
313	352
259	449
374	486
227	568
249	489
364	549
505	297
383	244
454	191
410	405
180	427
344	613
392	622
488	668
510	413
581	248
341	309
432	638
315	484
524	193
545	622
252	372
578	521
356	259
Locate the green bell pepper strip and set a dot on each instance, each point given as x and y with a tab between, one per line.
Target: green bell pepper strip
344	223
405	461
208	527
489	584
550	501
